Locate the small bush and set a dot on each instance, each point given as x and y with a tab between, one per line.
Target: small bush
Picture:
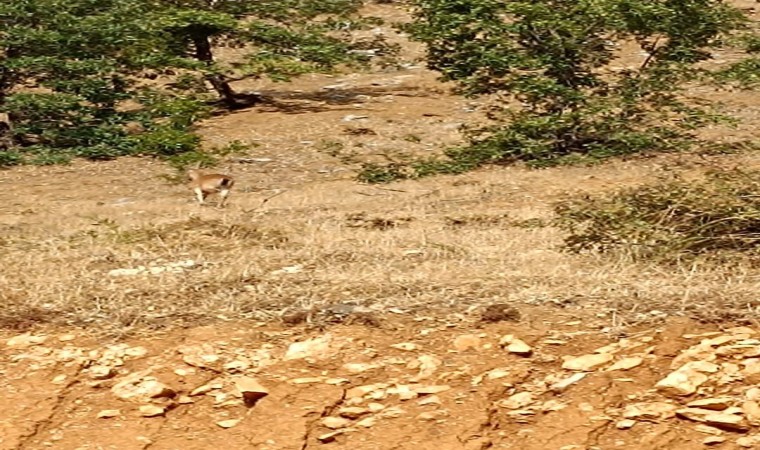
670	219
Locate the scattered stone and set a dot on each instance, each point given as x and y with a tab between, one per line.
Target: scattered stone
152	410
752	394
352	117
748	441
517	401
427	364
25	340
375	407
715	404
553	405
251	389
353	412
466	341
336	381
587	363
751	410
139	387
101	372
682	382
184	400
307	380
317	348
59	379
202	356
731	422
359	367
330	437
432	415
228	423
432	400
206	388
405	346
707	429
714	440
500	312
67	337
515	345
334	423
136	352
654	411
429	390
695	414
625	424
392	412
108	413
563	384
367	422
626	363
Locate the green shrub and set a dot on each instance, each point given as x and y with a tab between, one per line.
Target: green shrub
669	219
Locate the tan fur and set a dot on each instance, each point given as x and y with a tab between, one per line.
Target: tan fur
206	184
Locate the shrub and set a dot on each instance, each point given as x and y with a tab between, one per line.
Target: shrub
670	219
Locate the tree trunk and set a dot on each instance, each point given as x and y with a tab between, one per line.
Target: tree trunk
231	99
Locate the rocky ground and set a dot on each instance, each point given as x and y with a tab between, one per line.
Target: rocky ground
495	378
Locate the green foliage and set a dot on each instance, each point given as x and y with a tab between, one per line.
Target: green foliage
669	220
561	93
69	68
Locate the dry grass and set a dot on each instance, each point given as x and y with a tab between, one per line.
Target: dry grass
451	242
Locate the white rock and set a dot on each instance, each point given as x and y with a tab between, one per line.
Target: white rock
715	403
625	424
317	348
151	410
108	413
25	340
563	384
228	423
405	346
652	411
101	372
335	422
517	401
427	364
681	382
466	341
139	387
251	389
626	363
515	345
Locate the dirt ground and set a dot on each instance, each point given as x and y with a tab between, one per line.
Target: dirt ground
136	319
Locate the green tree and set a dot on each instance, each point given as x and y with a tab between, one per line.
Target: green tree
562	92
278	38
70	83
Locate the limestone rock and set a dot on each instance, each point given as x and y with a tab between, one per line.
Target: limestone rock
203	356
427	365
515	345
139	387
751	410
625	424
25	340
714	440
317	348
353	412
367	422
587	363
335	422
430	390
563	384
517	401
682	382
715	403
626	363
251	389
654	411
748	441
152	410
431	400
466	341
228	423
101	372
108	413
405	346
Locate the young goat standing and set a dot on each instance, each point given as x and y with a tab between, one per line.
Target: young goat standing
205	184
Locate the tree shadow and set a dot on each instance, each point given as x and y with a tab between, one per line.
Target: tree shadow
304	102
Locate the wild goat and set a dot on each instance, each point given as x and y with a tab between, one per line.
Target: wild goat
205	184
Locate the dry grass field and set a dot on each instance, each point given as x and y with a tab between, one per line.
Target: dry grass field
300	233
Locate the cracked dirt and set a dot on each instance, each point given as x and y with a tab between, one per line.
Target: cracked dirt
431	382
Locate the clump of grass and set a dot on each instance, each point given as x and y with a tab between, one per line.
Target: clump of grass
669	220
